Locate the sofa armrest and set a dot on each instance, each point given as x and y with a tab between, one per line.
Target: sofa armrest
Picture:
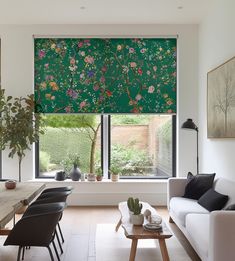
222	236
175	188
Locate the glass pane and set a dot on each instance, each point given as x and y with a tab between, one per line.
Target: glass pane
141	145
67	138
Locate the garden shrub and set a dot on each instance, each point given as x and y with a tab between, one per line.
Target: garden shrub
59	142
44	161
133	161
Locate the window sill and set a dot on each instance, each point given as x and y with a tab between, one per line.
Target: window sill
122	181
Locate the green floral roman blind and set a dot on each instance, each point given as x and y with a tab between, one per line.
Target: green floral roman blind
105	75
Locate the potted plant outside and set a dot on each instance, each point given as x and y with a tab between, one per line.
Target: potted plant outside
135	208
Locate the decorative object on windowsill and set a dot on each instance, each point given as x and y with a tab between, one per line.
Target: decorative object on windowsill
60	176
115	171
99	174
75	173
20	125
10	184
83	176
135	207
190	125
91	177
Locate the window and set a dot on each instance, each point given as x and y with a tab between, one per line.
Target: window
142	145
66	138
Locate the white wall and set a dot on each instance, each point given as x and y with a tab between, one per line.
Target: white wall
216	45
17	75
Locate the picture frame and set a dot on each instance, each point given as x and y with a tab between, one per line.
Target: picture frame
221	101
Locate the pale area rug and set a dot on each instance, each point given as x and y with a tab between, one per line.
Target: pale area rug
114	246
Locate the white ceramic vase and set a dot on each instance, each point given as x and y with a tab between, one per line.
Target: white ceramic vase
137	220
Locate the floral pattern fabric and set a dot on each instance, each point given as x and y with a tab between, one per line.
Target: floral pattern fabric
105	75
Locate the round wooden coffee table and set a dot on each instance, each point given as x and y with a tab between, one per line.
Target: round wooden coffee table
138	232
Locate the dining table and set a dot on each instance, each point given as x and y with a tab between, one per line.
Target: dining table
12	200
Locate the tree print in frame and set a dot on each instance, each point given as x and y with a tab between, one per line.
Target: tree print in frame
221	101
105	75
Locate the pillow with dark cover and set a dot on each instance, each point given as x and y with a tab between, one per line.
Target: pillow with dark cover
198	185
230	207
213	200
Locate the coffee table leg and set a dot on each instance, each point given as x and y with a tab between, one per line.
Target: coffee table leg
163	248
133	249
118	225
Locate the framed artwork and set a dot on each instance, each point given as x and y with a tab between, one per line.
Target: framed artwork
221	101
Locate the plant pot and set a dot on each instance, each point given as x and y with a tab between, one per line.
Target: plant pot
83	176
114	177
137	220
60	176
91	177
99	178
75	173
10	184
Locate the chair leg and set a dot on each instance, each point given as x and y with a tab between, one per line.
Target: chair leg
57	236
61	233
19	253
23	253
56	252
50	252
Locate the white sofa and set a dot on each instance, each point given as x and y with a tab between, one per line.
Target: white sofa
211	234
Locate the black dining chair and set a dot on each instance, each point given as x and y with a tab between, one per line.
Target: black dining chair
37	228
57	189
51	197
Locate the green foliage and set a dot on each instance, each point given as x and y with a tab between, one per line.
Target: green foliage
129	160
20	126
88	124
70	121
69	161
44	161
130	119
59	143
134	205
165	132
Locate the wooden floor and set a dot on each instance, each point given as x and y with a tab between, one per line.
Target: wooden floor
79	227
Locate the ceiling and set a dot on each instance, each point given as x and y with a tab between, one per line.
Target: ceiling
103	11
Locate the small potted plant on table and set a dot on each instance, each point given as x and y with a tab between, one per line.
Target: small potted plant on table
135	208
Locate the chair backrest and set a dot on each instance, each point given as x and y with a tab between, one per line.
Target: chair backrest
51	197
68	188
37	227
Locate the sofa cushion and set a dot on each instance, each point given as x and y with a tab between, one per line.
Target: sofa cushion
197	226
213	200
230	207
182	206
226	187
198	185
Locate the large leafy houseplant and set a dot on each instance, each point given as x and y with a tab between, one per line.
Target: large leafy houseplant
20	126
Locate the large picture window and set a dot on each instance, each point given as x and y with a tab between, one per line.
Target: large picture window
142	145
